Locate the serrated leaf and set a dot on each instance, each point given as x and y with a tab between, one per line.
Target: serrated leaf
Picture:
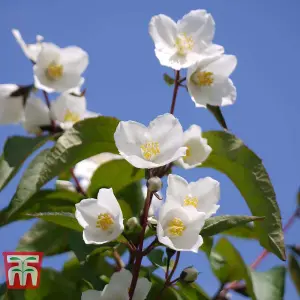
216	225
231	157
294	269
269	285
216	111
45	237
228	265
16	151
64	219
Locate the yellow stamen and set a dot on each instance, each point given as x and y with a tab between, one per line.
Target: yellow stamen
54	71
71	117
188	152
150	150
184	43
105	221
190	201
203	78
176	227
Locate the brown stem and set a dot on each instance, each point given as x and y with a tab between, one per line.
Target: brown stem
139	252
119	263
150	247
175	91
49	106
77	183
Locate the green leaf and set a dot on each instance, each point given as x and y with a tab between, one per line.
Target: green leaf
207	245
16	151
29	270
192	291
294	269
168	79
216	111
31	258
6	294
156	257
116	174
27	186
246	231
231	157
228	265
53	285
295	249
269	285
64	219
15	258
215	225
85	139
45	237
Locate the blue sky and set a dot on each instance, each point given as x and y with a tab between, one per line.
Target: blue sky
124	79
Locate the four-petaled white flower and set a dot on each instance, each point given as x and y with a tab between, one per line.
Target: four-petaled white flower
31	51
85	169
59	69
197	148
202	195
180	45
208	81
149	147
118	287
12	107
178	228
66	110
101	218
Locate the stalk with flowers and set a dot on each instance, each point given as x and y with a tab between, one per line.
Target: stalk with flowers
99	207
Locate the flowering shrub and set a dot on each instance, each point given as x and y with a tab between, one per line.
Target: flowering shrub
99	207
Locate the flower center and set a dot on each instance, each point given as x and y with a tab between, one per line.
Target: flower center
176	227
184	44
71	117
105	221
203	78
150	150
54	71
188	200
188	152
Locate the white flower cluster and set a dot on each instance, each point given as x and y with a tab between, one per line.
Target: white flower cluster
185	44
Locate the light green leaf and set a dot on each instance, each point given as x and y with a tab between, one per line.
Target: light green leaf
6	294
156	257
16	151
116	174
64	219
191	291
168	79
231	157
45	237
228	265
215	225
246	231
294	269
269	285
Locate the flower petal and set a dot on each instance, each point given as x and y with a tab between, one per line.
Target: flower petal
142	289
74	59
177	189
107	199
230	94
223	66
85	168
163	32
91	295
207	190
49	53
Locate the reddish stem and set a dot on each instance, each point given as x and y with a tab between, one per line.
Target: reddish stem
77	183
175	91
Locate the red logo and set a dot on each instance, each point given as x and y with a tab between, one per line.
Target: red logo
23	269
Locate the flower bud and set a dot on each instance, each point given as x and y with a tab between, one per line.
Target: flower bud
154	184
189	275
132	223
65	185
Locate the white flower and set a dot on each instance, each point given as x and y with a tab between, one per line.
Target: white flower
31	51
66	110
202	195
149	147
178	228
197	148
208	81
12	109
118	287
179	45
65	185
85	169
101	218
155	202
59	69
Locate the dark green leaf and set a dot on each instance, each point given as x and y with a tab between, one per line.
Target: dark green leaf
64	219
215	225
6	294
295	249
294	269
231	157
168	79
246	231
45	237
207	245
16	150
156	257
15	258
216	111
192	291
228	265
116	174
269	285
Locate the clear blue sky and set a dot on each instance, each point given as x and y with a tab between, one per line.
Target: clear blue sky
124	79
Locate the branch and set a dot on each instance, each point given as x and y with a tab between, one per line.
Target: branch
175	91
